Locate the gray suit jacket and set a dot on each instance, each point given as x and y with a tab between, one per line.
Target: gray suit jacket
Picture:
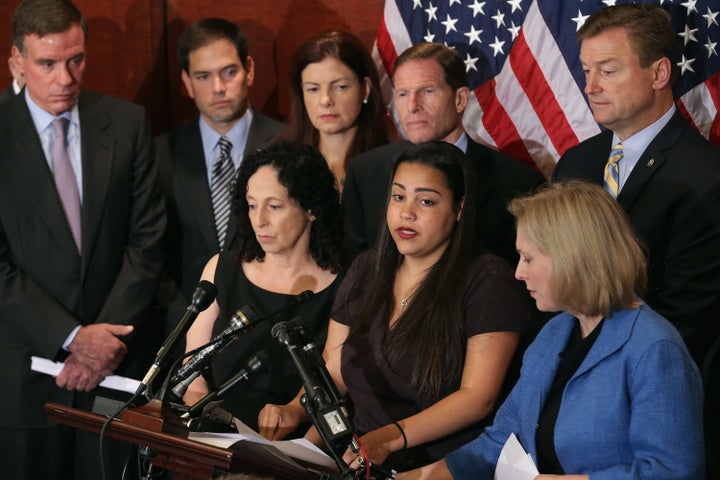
46	287
192	236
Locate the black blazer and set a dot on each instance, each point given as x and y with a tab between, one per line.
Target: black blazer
500	179
7	94
672	198
192	237
46	287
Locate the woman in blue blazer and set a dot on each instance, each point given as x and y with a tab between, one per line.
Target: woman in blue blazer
608	389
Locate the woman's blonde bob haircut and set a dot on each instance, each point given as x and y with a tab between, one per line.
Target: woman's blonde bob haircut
598	264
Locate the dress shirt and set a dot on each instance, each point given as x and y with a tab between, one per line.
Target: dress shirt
237	135
634	146
43	125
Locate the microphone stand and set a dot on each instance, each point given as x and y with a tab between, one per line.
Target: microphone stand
322	400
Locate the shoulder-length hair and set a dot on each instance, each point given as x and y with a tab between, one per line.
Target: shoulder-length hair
598	263
303	171
372	122
432	325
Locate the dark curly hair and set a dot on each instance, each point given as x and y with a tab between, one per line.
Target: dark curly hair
303	171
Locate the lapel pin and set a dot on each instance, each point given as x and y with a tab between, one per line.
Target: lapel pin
651	162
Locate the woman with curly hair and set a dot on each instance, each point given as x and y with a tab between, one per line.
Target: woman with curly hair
289	224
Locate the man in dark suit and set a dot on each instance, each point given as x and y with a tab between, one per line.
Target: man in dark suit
217	72
430	94
667	178
81	219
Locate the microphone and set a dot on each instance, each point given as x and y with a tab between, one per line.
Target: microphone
202	297
243	320
258	363
320	391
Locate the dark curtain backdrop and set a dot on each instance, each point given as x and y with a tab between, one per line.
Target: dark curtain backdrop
131	46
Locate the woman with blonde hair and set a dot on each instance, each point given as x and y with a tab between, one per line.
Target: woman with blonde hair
608	389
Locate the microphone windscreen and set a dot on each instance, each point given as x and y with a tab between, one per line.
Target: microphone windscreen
204	295
304	296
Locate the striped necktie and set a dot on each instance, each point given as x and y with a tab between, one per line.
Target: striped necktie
222	175
65	179
612	172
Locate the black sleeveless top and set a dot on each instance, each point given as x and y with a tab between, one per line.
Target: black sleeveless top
281	383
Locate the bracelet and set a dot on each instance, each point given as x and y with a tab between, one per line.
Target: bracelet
403	434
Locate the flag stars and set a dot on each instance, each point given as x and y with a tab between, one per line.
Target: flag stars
579	20
514	30
417	4
515	4
497	47
473	35
449	24
710	17
710	46
688	35
429	37
431	12
470	62
611	3
690	6
452	2
686	65
477	7
499	19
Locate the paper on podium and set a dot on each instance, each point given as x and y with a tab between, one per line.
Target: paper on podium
514	462
113	382
285	450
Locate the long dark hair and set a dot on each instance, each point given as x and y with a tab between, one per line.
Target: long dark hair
372	122
303	171
432	325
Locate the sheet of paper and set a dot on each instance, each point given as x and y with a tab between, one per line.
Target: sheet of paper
514	462
114	382
298	448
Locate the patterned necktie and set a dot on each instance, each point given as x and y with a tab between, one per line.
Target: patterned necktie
222	175
612	172
65	179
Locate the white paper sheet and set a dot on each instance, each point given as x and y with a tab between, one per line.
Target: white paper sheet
514	462
299	448
114	382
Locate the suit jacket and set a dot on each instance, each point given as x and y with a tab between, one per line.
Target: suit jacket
192	235
672	198
632	410
46	287
500	179
7	94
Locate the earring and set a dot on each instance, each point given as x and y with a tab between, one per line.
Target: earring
458	217
365	102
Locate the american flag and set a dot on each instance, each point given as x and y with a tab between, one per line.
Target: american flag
522	61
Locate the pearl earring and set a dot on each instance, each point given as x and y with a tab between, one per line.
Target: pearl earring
365	102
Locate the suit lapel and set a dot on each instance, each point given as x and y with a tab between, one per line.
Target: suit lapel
614	334
651	161
97	163
482	169
31	160
192	182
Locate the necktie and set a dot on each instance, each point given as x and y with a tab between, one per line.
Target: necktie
65	179
222	175
612	172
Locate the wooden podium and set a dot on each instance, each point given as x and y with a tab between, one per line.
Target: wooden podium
188	459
